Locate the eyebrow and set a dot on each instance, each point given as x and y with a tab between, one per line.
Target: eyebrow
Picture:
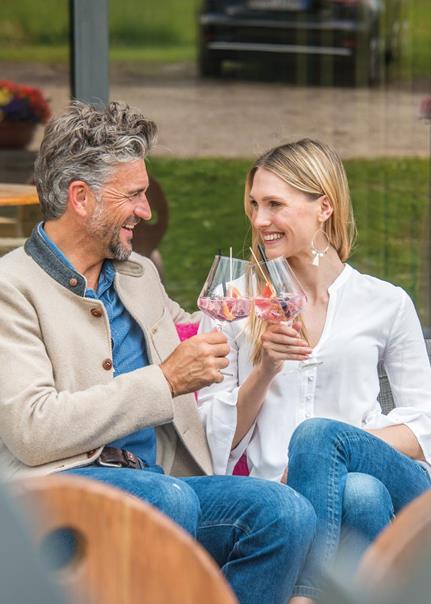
269	198
137	190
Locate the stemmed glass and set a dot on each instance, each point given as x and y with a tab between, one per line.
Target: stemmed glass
278	293
225	295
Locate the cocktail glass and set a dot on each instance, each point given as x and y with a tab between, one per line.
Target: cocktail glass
225	296
278	294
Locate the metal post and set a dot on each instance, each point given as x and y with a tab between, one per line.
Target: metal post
89	50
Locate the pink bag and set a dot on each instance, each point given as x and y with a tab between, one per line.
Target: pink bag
185	331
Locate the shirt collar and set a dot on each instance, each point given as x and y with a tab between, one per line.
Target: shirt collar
107	274
341	279
39	249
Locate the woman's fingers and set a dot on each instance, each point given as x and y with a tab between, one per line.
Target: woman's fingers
283	349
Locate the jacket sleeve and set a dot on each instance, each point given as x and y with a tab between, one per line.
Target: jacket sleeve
40	424
408	368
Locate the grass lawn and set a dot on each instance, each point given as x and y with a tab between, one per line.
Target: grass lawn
159	31
205	198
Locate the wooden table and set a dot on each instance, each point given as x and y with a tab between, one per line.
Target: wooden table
17	195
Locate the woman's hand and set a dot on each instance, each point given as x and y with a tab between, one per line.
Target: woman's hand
282	342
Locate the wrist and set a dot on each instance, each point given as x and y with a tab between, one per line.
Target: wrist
170	381
267	372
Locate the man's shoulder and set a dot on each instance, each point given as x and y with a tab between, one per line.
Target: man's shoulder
138	266
13	263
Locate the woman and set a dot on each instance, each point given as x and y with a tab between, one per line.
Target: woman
306	395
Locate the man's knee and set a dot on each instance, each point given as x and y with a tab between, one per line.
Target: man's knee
176	499
292	513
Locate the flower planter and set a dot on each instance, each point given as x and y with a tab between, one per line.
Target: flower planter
16	135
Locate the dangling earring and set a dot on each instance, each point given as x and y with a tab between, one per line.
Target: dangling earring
315	251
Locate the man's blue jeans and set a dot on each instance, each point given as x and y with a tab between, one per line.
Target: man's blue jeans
351	477
259	532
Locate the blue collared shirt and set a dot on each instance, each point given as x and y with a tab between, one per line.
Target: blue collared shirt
129	350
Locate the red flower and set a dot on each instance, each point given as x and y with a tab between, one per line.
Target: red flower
19	103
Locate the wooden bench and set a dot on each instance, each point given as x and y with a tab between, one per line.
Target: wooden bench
126	552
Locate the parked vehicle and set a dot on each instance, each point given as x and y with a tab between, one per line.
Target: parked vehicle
356	36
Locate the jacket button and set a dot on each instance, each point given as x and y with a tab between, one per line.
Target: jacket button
73	282
96	312
107	364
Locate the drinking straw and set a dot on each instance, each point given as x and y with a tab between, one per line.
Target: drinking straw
265	277
272	271
230	265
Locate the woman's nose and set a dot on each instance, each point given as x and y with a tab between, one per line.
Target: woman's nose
260	218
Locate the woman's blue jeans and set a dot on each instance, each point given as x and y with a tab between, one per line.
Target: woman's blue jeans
259	532
354	481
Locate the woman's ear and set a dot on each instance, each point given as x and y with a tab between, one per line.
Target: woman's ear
325	209
80	198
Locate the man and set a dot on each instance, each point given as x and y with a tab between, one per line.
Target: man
93	378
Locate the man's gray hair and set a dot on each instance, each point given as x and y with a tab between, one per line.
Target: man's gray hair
85	143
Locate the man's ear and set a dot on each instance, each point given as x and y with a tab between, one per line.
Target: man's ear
81	198
325	209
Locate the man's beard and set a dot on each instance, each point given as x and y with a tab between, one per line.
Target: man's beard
117	249
104	232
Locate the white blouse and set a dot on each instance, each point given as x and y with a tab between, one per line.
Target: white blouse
368	320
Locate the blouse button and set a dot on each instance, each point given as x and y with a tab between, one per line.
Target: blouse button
308	397
310	378
107	364
73	282
96	312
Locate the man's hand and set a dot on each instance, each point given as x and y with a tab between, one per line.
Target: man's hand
196	362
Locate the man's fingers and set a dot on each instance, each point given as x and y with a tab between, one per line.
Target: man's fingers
213	337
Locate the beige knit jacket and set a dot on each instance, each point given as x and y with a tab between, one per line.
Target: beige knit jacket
59	402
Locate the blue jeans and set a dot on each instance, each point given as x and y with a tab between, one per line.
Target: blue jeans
354	481
259	532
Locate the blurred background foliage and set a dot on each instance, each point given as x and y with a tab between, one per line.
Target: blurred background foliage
205	195
159	31
206	199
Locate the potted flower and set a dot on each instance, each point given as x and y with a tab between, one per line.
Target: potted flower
21	109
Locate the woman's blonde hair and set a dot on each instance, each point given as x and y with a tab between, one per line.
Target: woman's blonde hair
315	169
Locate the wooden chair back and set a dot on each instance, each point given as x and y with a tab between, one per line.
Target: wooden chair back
394	557
126	551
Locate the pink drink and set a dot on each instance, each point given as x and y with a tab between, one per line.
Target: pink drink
226	308
279	308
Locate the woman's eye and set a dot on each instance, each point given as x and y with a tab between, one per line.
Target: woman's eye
275	204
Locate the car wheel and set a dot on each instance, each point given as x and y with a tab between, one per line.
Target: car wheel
208	65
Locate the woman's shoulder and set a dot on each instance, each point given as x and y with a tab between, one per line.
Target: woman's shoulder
376	289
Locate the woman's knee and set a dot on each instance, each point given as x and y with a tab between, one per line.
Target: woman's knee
367	504
317	434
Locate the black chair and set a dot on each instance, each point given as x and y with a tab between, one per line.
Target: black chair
385	397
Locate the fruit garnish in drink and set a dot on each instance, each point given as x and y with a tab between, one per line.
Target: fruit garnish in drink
268	291
225	308
279	308
233	292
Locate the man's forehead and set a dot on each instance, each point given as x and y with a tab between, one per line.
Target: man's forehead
132	172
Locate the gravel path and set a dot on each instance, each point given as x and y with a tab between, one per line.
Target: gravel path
233	119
